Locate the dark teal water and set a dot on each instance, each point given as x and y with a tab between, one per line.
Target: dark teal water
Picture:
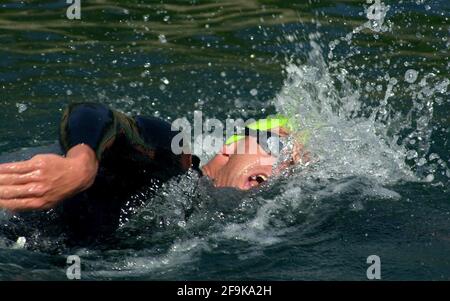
381	185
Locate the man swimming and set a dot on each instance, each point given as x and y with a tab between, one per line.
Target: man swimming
107	156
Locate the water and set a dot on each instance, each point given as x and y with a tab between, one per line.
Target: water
367	79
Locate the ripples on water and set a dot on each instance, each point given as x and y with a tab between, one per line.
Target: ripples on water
369	80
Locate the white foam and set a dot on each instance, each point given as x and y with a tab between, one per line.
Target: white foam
141	263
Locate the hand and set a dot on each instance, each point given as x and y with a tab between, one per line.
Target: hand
45	180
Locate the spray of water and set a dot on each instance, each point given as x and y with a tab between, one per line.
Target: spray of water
344	143
350	138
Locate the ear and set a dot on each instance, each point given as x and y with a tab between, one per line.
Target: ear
280	131
299	154
283	132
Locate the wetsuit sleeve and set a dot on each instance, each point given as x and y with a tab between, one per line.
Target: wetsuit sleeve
108	131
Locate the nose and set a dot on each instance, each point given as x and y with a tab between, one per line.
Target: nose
227	150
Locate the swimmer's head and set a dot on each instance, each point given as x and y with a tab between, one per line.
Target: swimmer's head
264	149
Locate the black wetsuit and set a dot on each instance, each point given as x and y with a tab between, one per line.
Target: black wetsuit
134	153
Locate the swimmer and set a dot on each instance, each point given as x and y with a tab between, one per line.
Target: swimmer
108	155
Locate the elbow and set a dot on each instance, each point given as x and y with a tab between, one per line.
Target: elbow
85	123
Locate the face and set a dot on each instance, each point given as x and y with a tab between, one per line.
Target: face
243	165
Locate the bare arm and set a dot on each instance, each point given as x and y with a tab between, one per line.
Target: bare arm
44	180
87	132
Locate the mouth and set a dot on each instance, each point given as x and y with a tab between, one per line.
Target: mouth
255	180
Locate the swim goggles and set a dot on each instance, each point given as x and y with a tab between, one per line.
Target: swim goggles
269	141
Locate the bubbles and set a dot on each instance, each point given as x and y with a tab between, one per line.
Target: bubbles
411	76
253	92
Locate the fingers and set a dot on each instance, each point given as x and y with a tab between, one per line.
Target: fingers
22	204
21	191
18	179
17	167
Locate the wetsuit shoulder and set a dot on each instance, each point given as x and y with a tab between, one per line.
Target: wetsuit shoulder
114	135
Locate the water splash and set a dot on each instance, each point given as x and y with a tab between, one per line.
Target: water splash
351	138
134	264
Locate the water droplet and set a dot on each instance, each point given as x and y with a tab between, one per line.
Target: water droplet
411	76
162	38
421	162
21	107
411	154
433	156
429	178
290	38
254	92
